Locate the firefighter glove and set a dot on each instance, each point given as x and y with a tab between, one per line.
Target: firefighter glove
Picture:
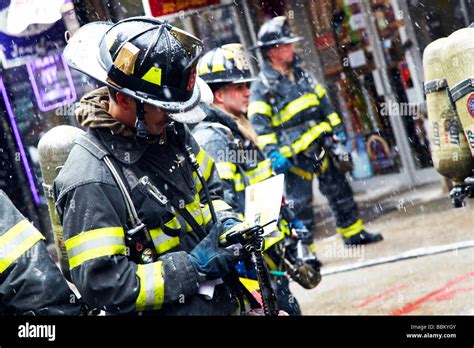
210	259
280	163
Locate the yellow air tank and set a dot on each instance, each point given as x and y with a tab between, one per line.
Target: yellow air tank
54	148
458	58
449	148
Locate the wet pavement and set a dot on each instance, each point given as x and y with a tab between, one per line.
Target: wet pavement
436	284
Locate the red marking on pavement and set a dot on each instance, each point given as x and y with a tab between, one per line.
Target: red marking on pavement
414	305
449	295
365	302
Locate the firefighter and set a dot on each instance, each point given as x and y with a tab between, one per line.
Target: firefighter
227	136
140	230
296	126
30	282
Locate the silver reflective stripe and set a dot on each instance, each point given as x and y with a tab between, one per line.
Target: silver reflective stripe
259	172
95	243
16	241
149	285
161	238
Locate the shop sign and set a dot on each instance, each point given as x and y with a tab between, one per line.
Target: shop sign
30	29
52	83
157	8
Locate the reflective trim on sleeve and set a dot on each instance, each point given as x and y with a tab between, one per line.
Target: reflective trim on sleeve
239	182
334	119
96	243
226	170
306	139
16	241
152	286
351	230
259	107
291	109
262	172
266	139
162	241
218	204
320	91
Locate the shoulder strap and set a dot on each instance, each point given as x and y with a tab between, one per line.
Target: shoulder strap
93	145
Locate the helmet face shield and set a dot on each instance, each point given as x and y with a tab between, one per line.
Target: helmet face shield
142	57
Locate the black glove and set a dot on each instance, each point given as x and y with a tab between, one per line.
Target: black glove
210	259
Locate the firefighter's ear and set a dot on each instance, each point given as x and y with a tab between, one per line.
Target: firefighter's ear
124	101
219	96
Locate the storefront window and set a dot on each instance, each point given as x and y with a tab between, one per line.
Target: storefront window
37	97
355	84
388	25
434	19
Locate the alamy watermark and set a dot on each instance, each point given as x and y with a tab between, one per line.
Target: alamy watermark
401	109
37	331
338	251
240	156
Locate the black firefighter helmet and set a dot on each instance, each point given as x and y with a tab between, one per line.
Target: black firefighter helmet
275	31
147	59
225	64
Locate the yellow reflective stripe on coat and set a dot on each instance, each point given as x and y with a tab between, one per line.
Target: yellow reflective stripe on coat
306	139
262	172
259	107
96	243
162	241
219	205
320	91
351	230
205	165
239	182
266	139
291	109
201	214
226	170
334	119
16	241
152	286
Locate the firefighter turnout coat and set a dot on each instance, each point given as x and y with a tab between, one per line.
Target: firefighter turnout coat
30	282
94	218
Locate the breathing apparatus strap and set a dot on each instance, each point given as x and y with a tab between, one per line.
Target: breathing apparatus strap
140	124
461	89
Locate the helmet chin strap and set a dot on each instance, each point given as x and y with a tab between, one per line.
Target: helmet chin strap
140	124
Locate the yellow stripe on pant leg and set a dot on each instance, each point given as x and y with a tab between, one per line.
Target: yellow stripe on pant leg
351	230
